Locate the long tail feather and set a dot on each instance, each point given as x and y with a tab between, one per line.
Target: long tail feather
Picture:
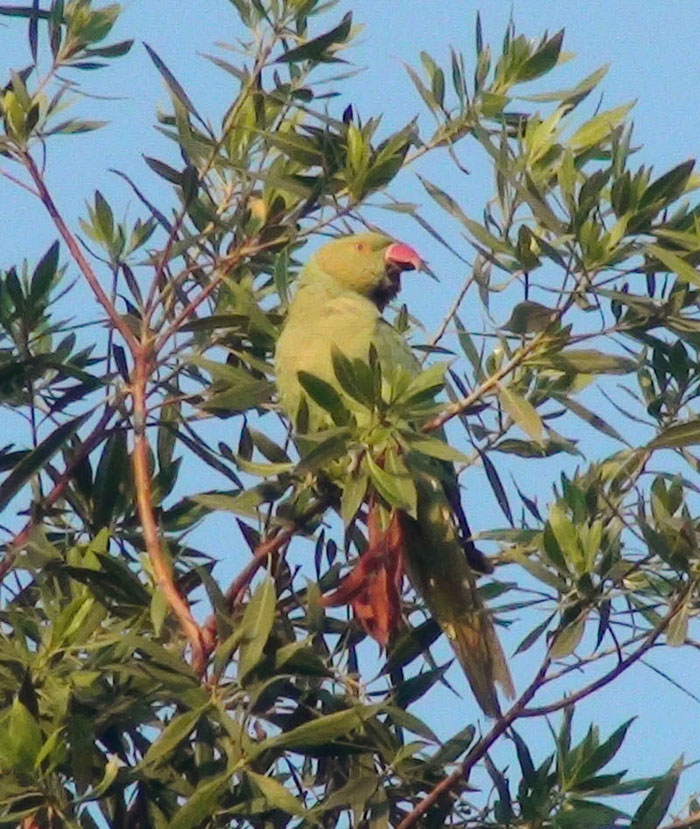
441	573
479	652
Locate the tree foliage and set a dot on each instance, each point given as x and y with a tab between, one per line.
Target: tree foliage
137	689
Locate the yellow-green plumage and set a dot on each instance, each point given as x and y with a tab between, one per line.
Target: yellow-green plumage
338	303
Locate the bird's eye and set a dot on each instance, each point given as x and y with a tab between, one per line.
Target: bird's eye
360	247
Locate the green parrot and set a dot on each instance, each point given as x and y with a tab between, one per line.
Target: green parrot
338	304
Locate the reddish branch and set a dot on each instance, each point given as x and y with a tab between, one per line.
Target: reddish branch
271	545
82	451
239	585
491	382
162	570
690	822
621	666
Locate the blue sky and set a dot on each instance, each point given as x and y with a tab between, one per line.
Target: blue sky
652	49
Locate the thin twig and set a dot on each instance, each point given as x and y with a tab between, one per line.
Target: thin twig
77	254
473	397
15	546
622	666
18	182
238	586
690	822
440	333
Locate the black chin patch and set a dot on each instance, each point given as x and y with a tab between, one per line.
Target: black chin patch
389	287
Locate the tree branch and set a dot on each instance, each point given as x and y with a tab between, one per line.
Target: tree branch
621	666
519	710
160	565
460	406
262	552
690	822
477	752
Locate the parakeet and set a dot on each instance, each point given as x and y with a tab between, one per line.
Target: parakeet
338	304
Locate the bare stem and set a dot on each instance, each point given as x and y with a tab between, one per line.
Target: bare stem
621	666
491	382
271	545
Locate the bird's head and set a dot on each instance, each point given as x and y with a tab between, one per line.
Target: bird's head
368	263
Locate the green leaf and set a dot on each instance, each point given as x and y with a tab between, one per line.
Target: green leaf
680	434
544	59
675	264
281	276
568	639
322	730
522	412
402	481
263	470
170	81
325	451
25	735
602	755
44	274
354	492
178	729
315	49
325	396
655	805
530	638
390	488
677	630
31	463
417	686
411	644
588	814
110	478
667	187
599	127
587	361
115	50
354	378
257	622
496	484
425	386
248	394
434	447
455	746
590	417
276	795
200	807
359	788
242	503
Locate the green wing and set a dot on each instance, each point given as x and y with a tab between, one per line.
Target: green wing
439	551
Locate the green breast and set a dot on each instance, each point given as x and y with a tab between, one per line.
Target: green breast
317	321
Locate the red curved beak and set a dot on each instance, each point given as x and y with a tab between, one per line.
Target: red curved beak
403	256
